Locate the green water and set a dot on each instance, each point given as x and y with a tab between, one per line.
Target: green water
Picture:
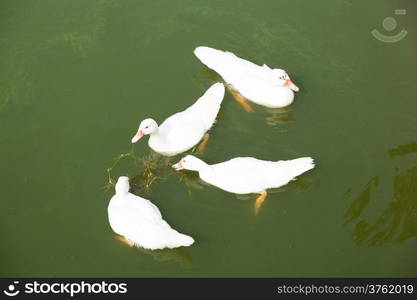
77	77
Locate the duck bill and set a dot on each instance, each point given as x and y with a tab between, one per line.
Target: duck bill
138	136
178	166
291	85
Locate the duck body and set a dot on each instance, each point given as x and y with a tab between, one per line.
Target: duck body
178	133
183	130
245	175
259	84
140	222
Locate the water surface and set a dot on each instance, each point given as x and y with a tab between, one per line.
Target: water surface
77	77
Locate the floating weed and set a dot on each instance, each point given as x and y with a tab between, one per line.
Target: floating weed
153	170
153	165
110	181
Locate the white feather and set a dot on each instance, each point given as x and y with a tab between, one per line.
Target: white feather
245	175
259	84
183	130
140	221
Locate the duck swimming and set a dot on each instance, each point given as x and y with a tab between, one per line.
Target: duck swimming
140	223
259	84
246	175
183	130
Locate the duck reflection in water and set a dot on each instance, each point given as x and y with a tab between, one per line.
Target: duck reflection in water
279	116
179	255
398	221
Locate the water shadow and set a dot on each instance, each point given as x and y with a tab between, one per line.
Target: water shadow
179	255
398	221
359	204
403	150
300	183
279	116
205	77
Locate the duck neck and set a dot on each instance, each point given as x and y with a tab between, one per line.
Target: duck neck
122	188
202	166
157	136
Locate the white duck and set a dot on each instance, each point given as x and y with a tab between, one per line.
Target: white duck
259	84
245	175
139	221
183	130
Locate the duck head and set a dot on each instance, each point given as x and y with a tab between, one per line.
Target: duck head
284	79
189	162
122	185
147	126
